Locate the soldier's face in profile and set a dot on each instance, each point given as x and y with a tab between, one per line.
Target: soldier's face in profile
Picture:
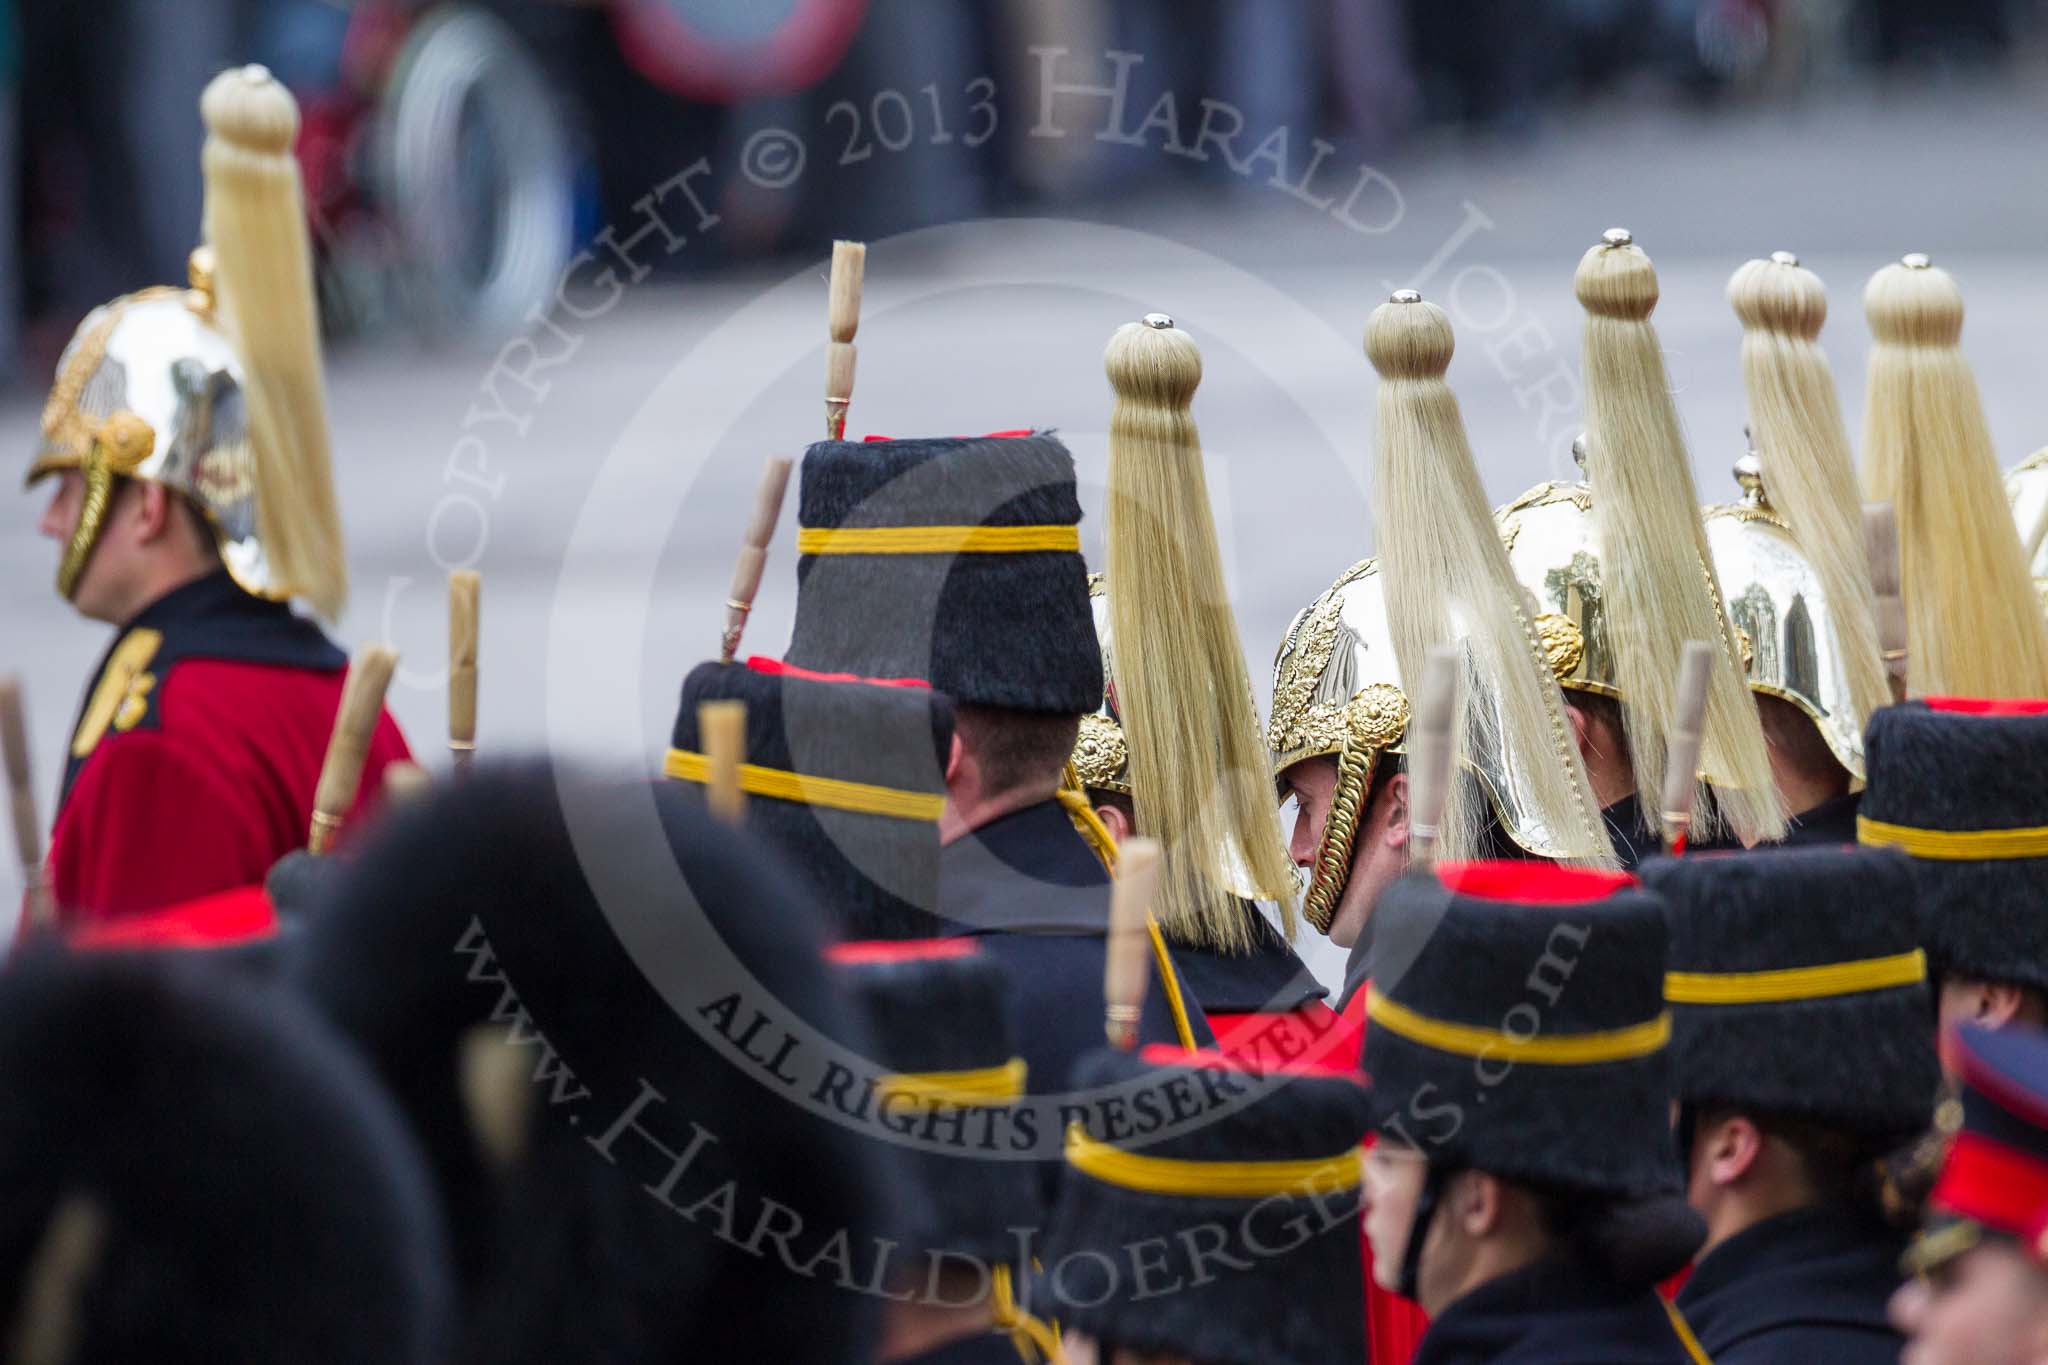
1988	1306
1394	1177
61	516
1379	850
96	595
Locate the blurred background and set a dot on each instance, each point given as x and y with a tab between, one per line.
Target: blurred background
568	251
456	152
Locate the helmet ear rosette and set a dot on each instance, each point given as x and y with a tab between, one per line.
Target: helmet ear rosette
1102	757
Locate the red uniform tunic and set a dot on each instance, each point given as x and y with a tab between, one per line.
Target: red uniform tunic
195	756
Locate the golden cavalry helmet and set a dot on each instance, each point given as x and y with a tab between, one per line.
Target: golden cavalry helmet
1784	624
1553	546
215	391
1102	759
2026	488
1337	691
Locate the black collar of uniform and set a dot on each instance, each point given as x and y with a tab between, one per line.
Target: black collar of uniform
1634	840
1833	821
1812	1267
1267	980
211	617
1557	1310
1028	871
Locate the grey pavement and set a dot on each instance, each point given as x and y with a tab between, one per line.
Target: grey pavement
602	500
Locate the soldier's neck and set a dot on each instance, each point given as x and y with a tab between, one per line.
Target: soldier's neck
160	577
1802	786
911	1329
968	808
1774	1182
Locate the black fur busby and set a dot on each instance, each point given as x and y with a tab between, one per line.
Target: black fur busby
876	875
1517	1026
1859	1061
1254	1278
586	996
1955	765
192	1168
990	629
943	1006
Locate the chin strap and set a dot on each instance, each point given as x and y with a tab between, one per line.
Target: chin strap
1036	1339
1418	1231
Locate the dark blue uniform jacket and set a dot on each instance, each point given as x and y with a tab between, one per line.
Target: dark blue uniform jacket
1798	1289
1556	1312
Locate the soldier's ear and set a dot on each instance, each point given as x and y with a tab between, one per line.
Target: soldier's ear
1731	1149
155	510
1396	798
1479	1204
1998	1003
956	756
1114	820
1579	728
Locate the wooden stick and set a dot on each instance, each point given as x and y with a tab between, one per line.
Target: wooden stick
1881	544
1127	965
1429	752
405	782
21	803
842	319
1682	744
362	702
746	573
464	622
722	729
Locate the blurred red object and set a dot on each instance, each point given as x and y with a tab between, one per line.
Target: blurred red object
242	915
720	53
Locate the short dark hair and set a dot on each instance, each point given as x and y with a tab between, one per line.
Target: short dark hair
1016	748
182	505
1838	1166
1098	796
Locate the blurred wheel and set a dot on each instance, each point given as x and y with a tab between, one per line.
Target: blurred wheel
476	176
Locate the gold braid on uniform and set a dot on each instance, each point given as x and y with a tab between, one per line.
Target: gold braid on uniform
1036	1339
1355	763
